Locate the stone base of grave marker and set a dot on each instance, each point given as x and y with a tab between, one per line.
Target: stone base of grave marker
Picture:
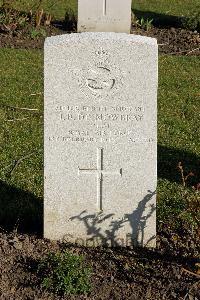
100	139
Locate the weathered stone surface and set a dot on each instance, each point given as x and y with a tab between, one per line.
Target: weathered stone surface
104	15
100	138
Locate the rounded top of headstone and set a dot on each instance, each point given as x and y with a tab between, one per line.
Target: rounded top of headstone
98	36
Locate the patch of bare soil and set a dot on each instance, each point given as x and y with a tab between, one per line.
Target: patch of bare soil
175	41
118	273
23	40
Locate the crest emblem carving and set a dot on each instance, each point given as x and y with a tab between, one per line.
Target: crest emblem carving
101	78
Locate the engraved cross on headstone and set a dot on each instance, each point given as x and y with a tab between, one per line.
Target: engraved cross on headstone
104	7
99	172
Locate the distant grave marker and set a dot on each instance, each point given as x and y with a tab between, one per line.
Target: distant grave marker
104	15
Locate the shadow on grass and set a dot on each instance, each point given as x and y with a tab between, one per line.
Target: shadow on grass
68	27
168	159
20	210
160	20
69	24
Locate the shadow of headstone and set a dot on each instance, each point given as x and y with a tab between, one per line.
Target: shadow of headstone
159	20
20	210
168	159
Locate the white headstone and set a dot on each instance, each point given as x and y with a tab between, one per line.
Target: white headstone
100	138
104	15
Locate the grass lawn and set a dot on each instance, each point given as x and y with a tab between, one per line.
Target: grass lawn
56	8
178	138
21	132
168	7
21	86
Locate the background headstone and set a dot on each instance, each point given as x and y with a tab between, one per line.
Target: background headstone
104	15
100	138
